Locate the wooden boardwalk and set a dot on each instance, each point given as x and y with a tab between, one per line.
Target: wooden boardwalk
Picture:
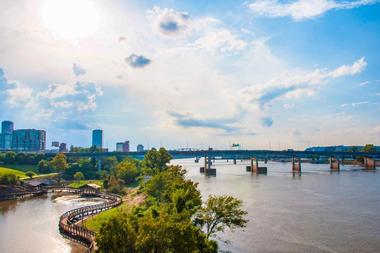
68	222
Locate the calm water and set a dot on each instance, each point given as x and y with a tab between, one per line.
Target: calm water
318	211
30	226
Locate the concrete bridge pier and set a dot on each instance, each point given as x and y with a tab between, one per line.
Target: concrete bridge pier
207	170
334	164
369	163
296	164
255	168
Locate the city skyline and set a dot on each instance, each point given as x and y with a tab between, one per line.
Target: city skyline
258	73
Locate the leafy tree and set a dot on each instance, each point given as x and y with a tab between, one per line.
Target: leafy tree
21	158
127	171
368	148
109	163
29	174
157	160
164	231
59	163
8	179
78	176
219	213
43	167
10	157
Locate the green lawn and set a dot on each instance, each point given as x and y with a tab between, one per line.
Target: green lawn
94	223
80	183
21	174
23	167
17	173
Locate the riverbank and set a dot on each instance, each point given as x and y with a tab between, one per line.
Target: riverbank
130	199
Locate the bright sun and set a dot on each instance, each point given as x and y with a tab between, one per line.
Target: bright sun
70	19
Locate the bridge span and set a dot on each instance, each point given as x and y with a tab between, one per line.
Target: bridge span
234	154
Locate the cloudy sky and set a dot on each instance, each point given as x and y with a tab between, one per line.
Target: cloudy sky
262	73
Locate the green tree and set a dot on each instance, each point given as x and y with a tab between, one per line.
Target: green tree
29	174
109	163
43	167
157	159
127	171
10	157
59	163
219	213
117	235
8	179
78	176
369	148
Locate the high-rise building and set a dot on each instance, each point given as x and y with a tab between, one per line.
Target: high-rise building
140	148
28	140
122	146
62	147
6	127
6	135
97	138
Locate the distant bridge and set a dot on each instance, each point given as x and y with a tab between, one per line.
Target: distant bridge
234	154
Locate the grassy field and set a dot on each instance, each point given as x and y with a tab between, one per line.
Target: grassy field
131	199
80	183
17	173
21	174
94	223
22	167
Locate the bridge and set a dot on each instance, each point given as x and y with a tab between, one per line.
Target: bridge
335	157
233	154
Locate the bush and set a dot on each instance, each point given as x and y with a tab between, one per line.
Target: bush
8	179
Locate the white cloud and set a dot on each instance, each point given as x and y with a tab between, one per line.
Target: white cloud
344	70
297	84
169	22
302	9
221	40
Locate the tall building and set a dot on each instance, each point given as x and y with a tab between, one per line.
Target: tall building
62	147
140	148
97	138
6	135
29	140
122	146
6	127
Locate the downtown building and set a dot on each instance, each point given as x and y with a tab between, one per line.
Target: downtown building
28	140
21	140
122	146
97	138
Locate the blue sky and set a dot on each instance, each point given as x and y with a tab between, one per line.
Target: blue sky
262	73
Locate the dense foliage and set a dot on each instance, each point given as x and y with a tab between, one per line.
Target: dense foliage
172	218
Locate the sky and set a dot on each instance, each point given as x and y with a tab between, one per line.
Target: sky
267	74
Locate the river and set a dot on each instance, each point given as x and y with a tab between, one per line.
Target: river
317	212
31	225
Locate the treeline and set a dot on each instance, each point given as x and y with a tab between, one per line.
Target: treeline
21	158
172	217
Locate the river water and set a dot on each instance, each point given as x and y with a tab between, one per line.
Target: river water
318	211
31	226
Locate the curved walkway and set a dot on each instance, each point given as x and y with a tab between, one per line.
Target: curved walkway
69	229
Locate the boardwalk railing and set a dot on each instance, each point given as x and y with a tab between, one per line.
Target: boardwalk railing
22	195
69	229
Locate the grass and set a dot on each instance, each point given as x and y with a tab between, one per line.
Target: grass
80	183
133	198
23	167
94	223
17	173
21	174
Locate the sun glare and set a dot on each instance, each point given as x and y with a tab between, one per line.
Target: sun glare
70	19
